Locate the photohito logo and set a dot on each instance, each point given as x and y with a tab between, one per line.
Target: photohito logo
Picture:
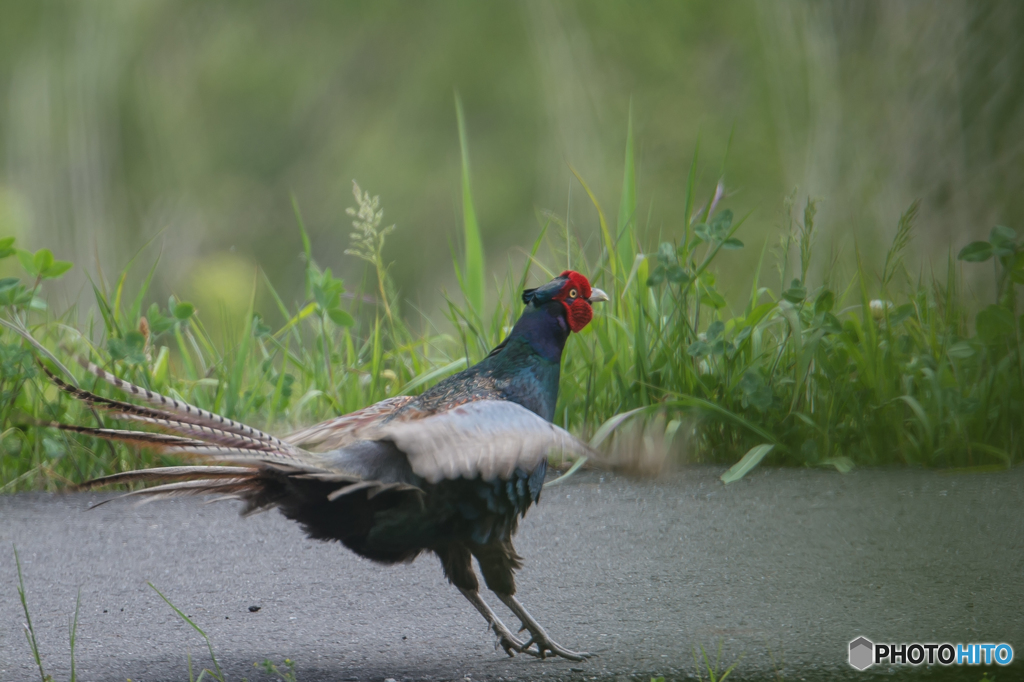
864	653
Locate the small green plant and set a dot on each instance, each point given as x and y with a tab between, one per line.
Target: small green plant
713	670
997	323
30	633
287	674
267	666
778	666
216	673
271	668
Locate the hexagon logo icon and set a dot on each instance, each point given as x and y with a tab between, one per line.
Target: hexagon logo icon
861	653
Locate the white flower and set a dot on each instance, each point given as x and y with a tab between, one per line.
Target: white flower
879	308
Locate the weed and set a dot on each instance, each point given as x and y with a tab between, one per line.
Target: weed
272	668
267	666
30	632
216	673
714	672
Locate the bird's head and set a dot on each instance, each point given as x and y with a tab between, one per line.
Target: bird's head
574	292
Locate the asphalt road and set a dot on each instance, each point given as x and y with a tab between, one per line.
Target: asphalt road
782	569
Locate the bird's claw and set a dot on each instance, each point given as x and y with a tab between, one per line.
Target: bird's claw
545	647
506	640
536	646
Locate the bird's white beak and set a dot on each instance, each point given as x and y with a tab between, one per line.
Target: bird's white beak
596	296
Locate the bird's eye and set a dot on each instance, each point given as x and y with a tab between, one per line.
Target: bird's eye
572	293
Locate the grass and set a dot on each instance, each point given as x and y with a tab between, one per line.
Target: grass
30	632
285	674
850	370
713	670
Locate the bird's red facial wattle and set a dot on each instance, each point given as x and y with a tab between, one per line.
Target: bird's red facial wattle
575	297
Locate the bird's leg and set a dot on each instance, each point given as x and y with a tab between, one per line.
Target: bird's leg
506	640
538	636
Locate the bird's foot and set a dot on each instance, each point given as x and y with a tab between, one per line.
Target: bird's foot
542	646
539	644
505	639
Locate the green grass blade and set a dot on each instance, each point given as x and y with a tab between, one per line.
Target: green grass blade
307	248
25	334
712	408
627	202
748	462
424	379
219	675
110	323
73	634
532	257
242	361
473	275
609	244
691	190
572	470
136	309
30	632
117	295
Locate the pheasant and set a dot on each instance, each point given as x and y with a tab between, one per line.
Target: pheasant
450	471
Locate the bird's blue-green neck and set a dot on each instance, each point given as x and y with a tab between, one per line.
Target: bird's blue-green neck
544	329
523	369
527	364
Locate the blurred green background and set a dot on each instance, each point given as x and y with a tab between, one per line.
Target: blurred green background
194	122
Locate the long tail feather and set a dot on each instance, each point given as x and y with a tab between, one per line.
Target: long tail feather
177	445
186	426
257	463
169	475
278	460
94	400
206	434
149	438
198	487
194	432
185	411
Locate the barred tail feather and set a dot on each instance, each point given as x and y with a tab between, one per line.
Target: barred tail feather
183	411
236	487
236	461
194	432
157	440
217	453
206	434
178	445
169	475
110	404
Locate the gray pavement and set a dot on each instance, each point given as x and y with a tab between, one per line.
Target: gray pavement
783	569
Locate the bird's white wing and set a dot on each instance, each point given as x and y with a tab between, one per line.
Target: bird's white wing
487	438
